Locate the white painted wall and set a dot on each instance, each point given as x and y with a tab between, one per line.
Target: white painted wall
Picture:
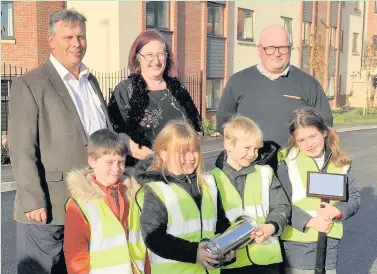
245	54
112	27
350	62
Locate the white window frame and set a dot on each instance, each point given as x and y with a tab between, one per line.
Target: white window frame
156	24
288	25
332	39
213	28
210	105
355	42
244	25
9	27
306	32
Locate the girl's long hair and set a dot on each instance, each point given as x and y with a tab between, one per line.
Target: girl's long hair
176	137
309	117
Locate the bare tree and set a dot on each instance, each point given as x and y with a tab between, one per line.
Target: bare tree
368	67
317	54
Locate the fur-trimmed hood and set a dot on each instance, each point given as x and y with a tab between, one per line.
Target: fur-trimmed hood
81	186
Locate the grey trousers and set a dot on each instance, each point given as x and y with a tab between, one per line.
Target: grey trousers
289	270
40	249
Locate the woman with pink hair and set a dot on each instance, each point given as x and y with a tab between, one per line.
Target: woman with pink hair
151	96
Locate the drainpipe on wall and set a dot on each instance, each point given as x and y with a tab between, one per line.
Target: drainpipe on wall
313	27
203	49
299	42
338	30
174	27
362	39
227	11
327	47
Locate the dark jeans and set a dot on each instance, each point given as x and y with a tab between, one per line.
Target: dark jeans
40	249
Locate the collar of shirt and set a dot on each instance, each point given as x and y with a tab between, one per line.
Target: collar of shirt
64	72
284	73
320	160
107	189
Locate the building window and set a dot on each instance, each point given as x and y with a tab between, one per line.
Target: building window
341	40
332	37
287	22
215	24
356	5
331	87
245	24
375	7
306	30
158	14
213	93
7	31
355	43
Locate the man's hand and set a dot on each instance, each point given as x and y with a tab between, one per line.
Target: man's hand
264	231
38	215
319	223
139	153
328	211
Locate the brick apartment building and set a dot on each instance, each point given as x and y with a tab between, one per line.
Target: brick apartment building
372	22
24	32
210	39
24	46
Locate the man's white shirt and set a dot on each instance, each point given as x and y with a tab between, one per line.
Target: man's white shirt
86	101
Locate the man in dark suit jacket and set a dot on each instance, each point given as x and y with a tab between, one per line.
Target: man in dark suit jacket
52	111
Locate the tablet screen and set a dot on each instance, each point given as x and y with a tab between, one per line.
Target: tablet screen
327	184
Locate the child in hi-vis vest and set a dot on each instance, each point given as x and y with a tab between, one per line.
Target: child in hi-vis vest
102	224
313	147
247	186
180	206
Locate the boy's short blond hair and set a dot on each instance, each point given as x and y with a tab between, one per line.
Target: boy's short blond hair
241	127
105	142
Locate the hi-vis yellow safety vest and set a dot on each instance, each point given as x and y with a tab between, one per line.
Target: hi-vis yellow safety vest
109	250
299	165
185	221
254	203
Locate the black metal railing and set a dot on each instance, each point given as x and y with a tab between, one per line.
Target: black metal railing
107	82
8	73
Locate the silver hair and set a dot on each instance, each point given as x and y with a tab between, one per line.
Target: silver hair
66	15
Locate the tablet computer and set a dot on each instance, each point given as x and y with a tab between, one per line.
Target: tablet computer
327	186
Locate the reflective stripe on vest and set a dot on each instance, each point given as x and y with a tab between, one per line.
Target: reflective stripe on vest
299	165
254	203
185	222
108	248
136	244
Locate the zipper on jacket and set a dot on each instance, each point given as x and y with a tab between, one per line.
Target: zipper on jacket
116	197
325	163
